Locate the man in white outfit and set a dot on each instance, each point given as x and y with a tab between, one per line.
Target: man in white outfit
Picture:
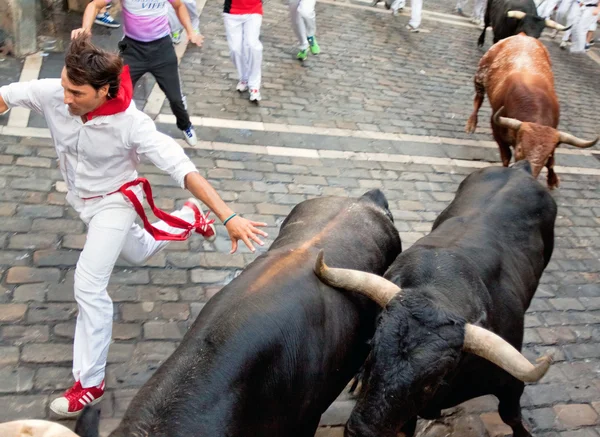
415	13
243	19
99	137
566	14
584	17
479	7
304	22
546	8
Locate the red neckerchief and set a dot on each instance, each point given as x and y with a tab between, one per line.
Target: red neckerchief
118	104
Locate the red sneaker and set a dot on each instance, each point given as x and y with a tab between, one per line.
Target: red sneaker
205	227
72	402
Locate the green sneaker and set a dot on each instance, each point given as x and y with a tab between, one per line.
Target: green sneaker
314	46
302	54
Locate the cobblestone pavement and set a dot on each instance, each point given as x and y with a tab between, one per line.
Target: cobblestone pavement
375	84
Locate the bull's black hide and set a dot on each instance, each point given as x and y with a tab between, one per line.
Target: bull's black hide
480	265
269	353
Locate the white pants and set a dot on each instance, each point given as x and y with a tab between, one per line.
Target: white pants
546	8
479	7
584	20
192	9
566	15
416	7
245	48
304	22
111	232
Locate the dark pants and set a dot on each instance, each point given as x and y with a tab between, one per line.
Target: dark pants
158	58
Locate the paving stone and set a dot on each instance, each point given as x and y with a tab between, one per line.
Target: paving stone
162	331
25	275
18	334
53	378
126	331
23	407
52	258
12	312
575	415
16	380
49	312
47	353
33	241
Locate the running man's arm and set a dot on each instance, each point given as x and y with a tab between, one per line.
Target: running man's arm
184	18
167	155
91	10
24	94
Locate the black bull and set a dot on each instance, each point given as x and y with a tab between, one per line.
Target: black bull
271	351
511	17
478	268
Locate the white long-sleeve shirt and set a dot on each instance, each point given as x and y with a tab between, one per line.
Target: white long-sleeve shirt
99	156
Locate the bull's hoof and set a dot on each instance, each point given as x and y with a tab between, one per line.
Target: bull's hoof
471	125
553	181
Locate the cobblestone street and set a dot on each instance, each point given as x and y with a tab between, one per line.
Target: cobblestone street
379	108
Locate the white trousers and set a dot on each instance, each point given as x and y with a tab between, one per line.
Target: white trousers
416	8
192	9
566	15
479	7
546	7
111	232
245	48
304	21
584	20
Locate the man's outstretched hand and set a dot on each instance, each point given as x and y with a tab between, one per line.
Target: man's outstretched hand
240	228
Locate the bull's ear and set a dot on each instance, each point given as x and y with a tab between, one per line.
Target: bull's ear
88	422
376	196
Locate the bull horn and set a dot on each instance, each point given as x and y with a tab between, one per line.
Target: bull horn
554	25
519	15
373	286
509	123
574	141
492	347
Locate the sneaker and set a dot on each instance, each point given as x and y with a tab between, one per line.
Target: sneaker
242	86
410	28
106	20
302	55
588	47
592	42
314	46
255	95
71	403
176	37
190	136
398	5
205	227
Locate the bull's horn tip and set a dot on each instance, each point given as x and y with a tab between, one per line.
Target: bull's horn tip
320	263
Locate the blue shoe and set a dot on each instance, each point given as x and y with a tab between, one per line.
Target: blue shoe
107	21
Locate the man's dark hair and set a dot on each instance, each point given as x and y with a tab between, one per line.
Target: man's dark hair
87	64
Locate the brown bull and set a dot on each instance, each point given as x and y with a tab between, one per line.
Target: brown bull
517	74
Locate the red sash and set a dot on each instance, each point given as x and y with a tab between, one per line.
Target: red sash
176	222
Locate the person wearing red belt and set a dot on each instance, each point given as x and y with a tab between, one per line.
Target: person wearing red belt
99	137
